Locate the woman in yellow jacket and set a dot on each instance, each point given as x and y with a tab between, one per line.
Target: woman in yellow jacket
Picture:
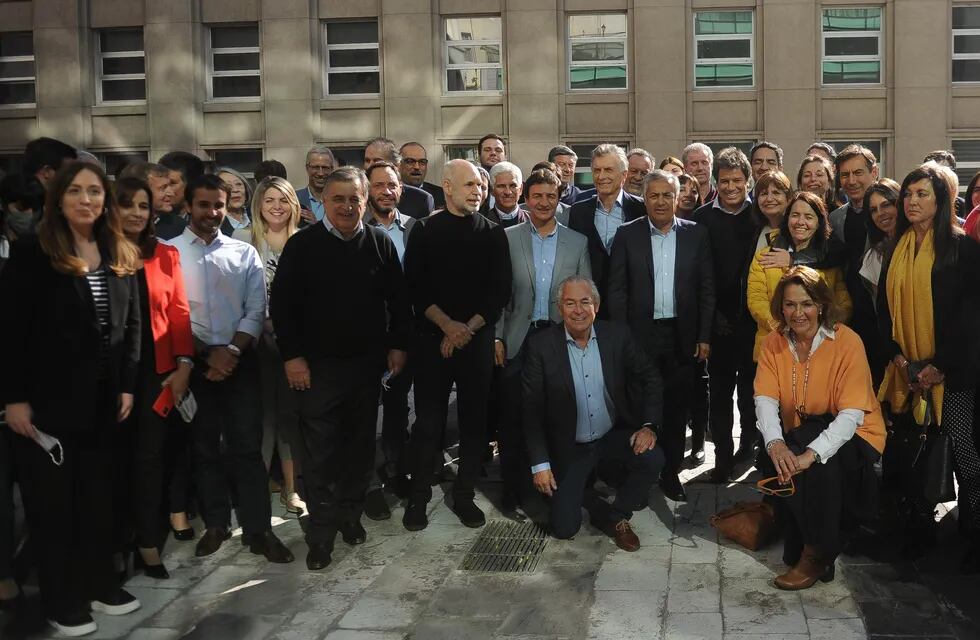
805	228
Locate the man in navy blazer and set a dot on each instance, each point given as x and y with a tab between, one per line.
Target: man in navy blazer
320	163
414	201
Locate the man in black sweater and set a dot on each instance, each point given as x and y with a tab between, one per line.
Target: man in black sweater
340	311
457	265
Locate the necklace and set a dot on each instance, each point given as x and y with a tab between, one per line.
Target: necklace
800	406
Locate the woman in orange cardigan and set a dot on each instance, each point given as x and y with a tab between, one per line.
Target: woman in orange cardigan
165	360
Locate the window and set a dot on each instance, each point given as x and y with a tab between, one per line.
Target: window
967	154
115	161
17	68
745	146
724	51
233	63
583	167
351	58
597	51
852	46
349	156
120	68
461	152
244	161
472	55
966	44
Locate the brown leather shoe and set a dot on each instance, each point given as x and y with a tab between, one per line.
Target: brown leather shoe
624	536
807	571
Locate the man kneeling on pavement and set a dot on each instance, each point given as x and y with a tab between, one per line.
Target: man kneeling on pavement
579	378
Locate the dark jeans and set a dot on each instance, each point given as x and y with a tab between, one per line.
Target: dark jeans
230	413
471	368
335	447
731	367
576	480
6	504
700	404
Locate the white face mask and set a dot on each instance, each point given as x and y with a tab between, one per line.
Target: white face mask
187	407
52	446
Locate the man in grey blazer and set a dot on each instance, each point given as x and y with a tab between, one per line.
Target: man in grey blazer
542	254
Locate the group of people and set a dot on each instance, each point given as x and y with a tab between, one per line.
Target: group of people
172	333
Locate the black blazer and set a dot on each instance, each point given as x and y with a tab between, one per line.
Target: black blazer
955	307
438	195
582	219
631	281
415	202
51	340
634	385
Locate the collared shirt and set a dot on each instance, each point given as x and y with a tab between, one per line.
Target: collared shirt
316	207
716	203
509	216
236	225
663	247
608	222
396	231
333	230
543	253
225	284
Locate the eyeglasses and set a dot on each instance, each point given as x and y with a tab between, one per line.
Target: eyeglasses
423	162
773	487
320	168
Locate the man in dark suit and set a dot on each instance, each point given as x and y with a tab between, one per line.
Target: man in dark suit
320	163
661	283
506	186
413	167
414	201
578	418
600	216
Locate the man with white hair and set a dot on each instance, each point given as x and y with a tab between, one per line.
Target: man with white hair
698	160
320	163
506	183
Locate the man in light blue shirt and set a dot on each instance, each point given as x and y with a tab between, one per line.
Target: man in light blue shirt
320	163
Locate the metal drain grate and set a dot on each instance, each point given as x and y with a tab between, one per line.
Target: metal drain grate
509	547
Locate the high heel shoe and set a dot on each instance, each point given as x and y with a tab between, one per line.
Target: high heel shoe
183	534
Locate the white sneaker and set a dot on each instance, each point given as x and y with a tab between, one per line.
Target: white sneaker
82	626
118	604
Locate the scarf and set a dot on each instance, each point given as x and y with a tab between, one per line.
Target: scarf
909	290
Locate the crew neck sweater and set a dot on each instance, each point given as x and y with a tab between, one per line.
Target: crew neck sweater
733	240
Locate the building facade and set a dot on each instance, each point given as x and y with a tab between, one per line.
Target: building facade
242	80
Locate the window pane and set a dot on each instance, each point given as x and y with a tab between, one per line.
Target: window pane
367	82
851	46
966	17
482	54
17	69
868	19
16	92
116	162
16	43
241	160
723	75
851	72
354	58
352	32
123	90
966	44
715	22
606	25
113	66
963	71
472	29
598	78
591	51
236	61
227	37
121	40
474	79
236	87
724	49
461	152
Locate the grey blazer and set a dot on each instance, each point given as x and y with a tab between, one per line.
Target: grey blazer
571	258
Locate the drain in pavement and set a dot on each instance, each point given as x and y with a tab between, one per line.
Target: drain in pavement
508	547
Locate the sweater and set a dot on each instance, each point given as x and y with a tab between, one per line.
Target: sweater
733	239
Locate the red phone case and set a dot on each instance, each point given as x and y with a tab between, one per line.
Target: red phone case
164	403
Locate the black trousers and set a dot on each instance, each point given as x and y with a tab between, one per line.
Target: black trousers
471	368
338	417
394	417
6	504
576	482
731	367
700	406
659	341
70	512
230	412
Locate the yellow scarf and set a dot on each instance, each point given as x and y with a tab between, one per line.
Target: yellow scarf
909	289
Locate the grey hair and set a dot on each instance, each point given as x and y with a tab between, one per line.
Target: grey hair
320	150
698	146
506	167
350	175
245	182
659	175
579	278
636	151
608	149
561	150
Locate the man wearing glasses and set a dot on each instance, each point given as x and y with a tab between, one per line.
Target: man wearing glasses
413	167
320	163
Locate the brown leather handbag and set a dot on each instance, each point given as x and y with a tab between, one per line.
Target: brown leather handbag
750	524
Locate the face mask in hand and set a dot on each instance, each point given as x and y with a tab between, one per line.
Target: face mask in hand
52	446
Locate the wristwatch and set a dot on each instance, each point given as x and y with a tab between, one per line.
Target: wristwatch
234	350
185	360
816	456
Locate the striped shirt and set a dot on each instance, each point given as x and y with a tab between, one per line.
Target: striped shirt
98	284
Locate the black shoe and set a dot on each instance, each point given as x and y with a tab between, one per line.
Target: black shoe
695	459
74	625
268	545
672	488
353	533
318	556
183	534
746	453
375	505
118	603
211	541
720	474
469	514
157	571
415	518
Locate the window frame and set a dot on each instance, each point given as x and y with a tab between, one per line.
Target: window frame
100	77
952	44
209	62
596	40
719	61
447	67
972	166
327	48
248	172
879	58
21	79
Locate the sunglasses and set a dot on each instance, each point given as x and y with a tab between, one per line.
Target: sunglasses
773	487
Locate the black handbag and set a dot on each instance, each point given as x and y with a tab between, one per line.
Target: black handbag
924	454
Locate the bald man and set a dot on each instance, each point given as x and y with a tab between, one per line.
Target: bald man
457	265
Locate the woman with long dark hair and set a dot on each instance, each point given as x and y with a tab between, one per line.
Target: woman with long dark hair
71	347
881	203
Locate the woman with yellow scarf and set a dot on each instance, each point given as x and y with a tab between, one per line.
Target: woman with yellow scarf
927	293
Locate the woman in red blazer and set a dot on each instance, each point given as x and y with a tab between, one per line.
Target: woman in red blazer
159	462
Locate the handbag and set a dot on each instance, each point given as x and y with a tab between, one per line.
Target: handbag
749	524
924	454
